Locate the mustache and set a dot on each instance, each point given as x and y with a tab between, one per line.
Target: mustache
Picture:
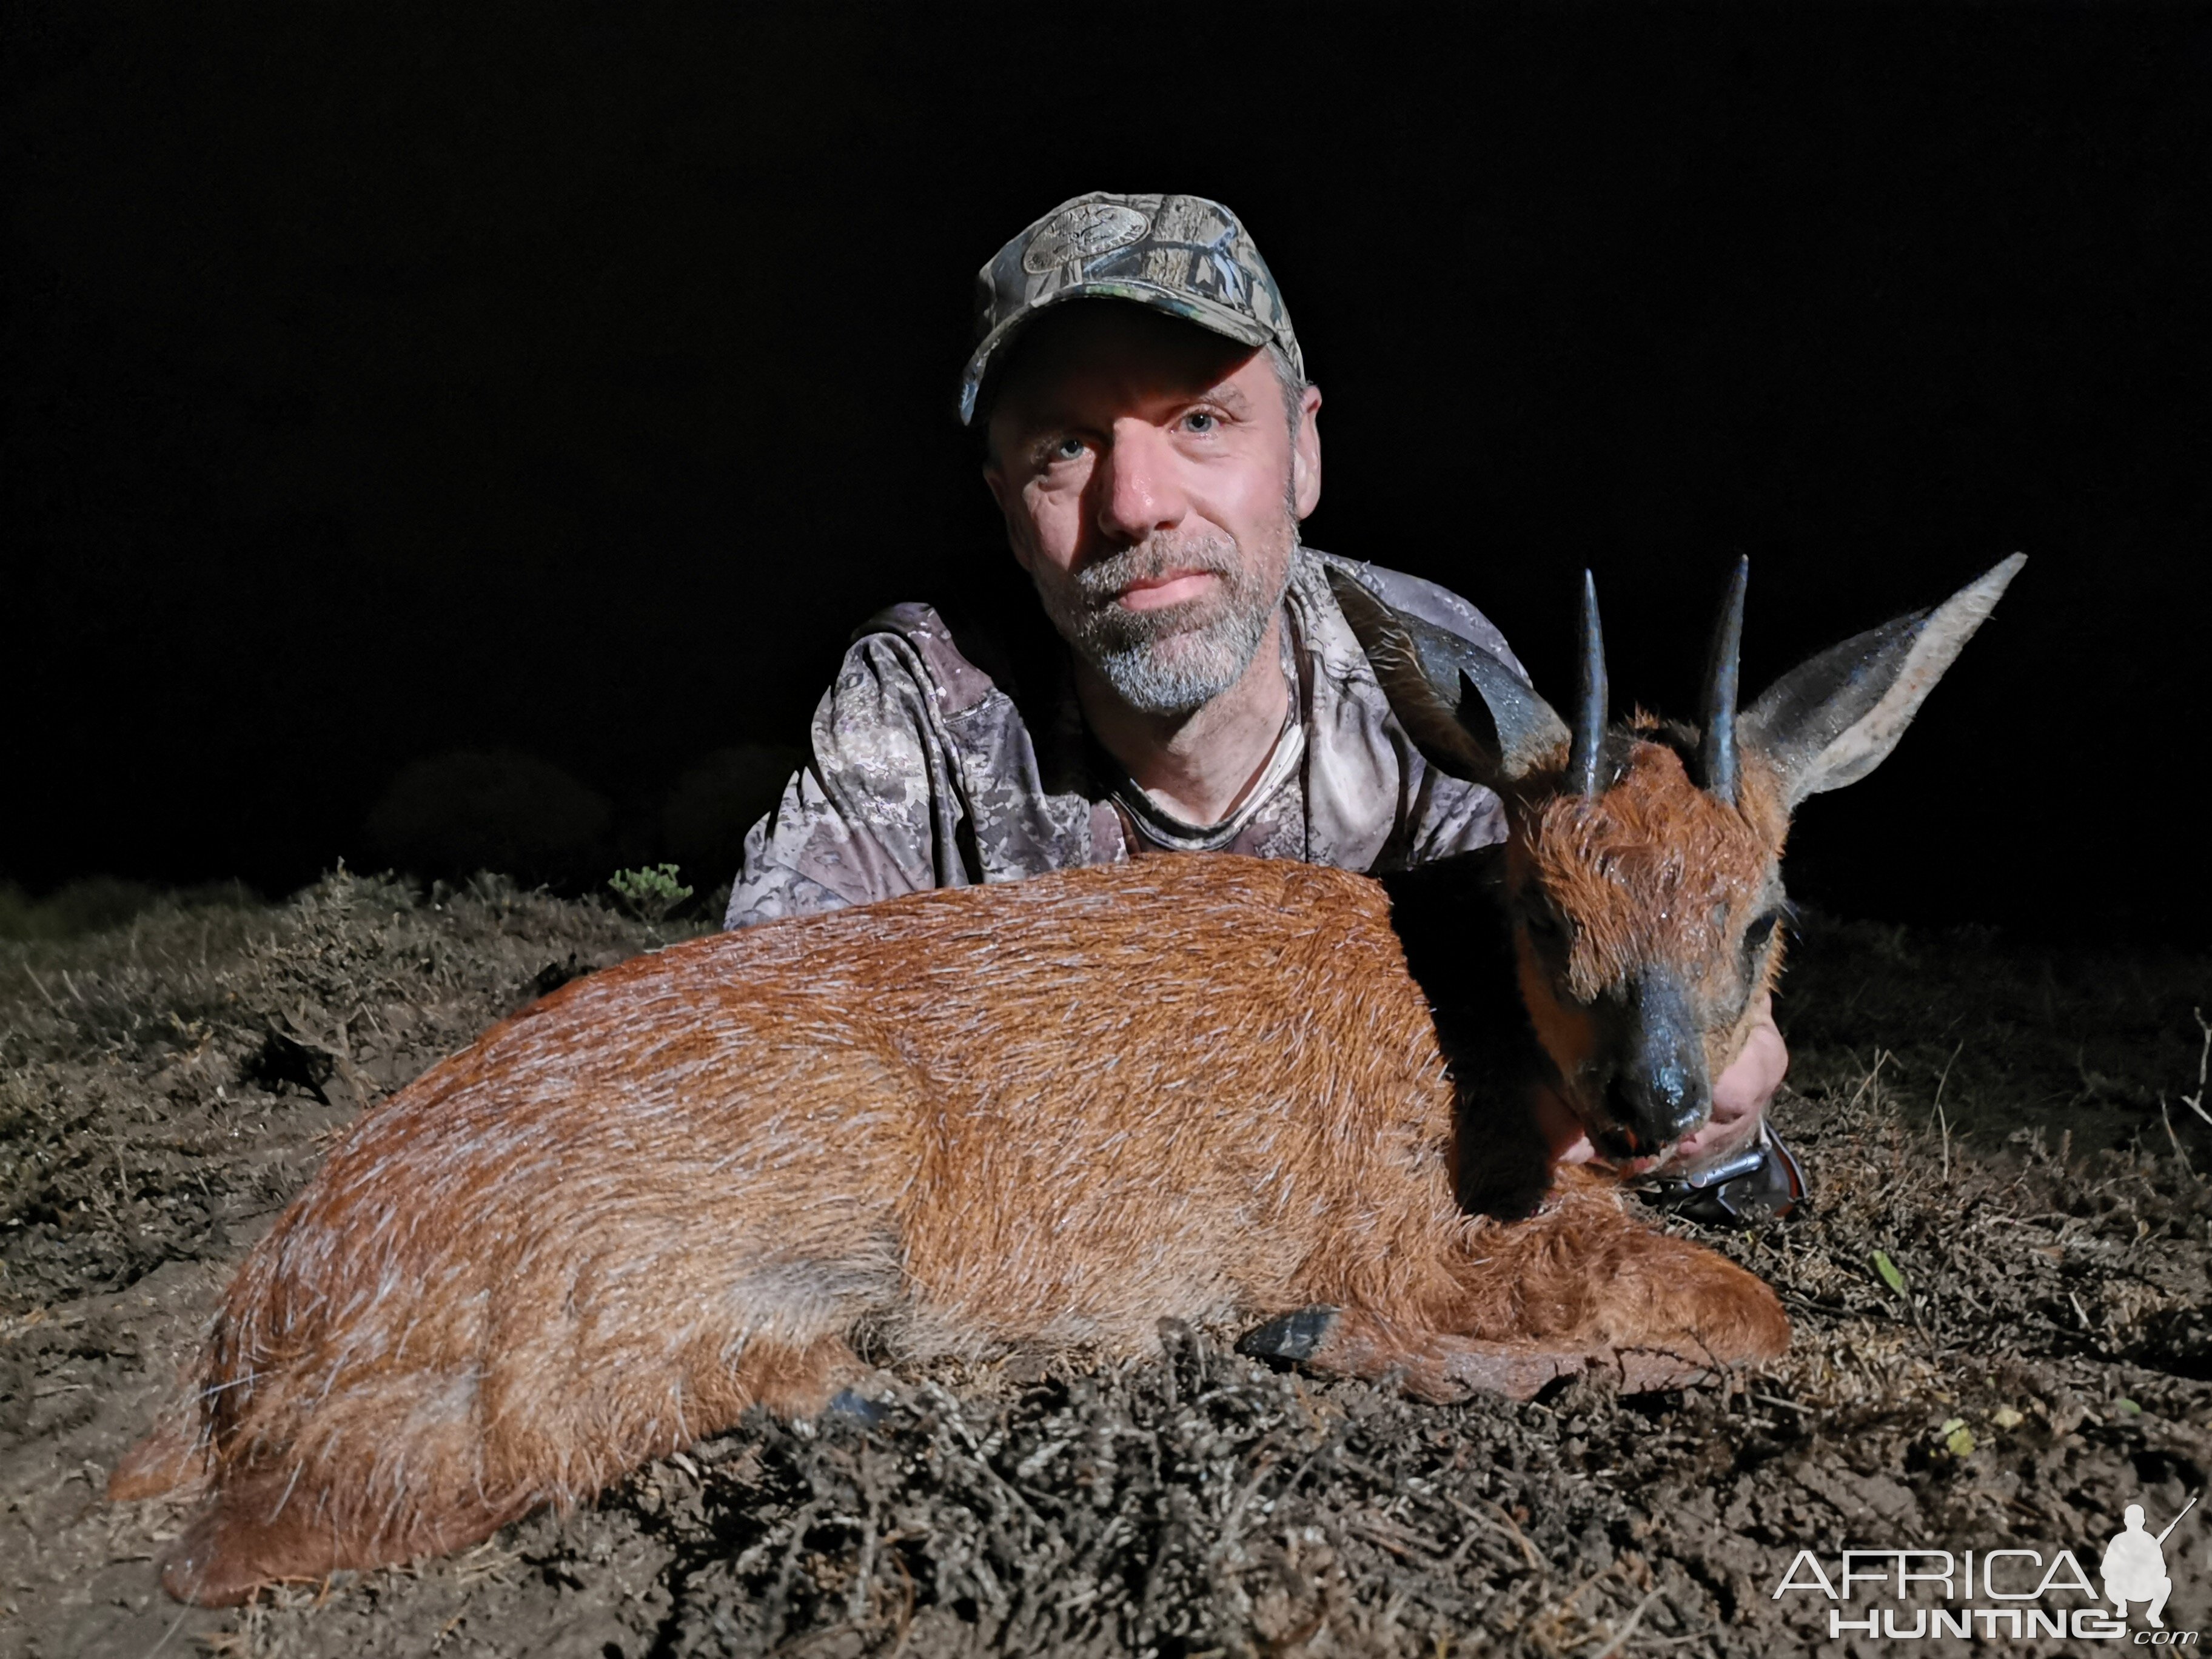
1101	582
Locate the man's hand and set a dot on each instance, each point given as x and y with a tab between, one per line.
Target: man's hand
1741	1094
1741	1097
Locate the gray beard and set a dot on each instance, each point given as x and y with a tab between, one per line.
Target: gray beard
1179	657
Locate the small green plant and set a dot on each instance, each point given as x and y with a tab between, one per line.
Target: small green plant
650	892
1891	1275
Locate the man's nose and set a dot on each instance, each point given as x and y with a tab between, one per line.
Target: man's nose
1138	487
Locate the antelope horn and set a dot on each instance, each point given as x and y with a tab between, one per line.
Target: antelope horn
1717	771
1591	712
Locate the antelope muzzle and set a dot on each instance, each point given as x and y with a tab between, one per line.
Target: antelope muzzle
1657	1090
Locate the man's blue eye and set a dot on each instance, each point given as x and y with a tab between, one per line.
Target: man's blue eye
1198	420
1067	449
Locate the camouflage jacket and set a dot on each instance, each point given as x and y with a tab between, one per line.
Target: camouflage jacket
927	773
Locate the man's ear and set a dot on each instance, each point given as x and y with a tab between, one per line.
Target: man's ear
1305	455
1470	715
1831	720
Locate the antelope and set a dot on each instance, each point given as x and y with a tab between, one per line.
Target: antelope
1046	1115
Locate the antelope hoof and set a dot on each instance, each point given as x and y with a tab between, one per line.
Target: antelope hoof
1296	1336
856	1408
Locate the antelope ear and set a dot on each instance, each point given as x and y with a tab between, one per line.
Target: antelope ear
1831	720
1468	713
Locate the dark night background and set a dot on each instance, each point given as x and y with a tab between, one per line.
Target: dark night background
570	380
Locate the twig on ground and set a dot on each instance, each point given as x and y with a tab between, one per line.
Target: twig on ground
2196	1102
1943	1117
1628	1626
2179	1150
1881	1057
1786	1405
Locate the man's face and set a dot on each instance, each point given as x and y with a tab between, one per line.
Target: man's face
1152	483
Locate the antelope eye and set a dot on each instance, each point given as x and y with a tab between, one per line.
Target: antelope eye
1545	925
1760	931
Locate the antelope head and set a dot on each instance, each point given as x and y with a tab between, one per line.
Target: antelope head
1643	876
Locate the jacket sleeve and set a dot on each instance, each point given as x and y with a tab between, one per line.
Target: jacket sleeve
875	812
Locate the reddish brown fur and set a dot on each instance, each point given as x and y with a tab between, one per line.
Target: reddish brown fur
1045	1114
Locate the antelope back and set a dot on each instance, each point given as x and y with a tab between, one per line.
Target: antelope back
1057	1141
1643	864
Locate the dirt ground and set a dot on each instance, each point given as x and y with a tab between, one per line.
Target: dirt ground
2006	1127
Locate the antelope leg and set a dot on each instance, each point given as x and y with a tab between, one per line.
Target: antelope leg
1438	1366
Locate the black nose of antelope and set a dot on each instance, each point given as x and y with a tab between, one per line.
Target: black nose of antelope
1660	1092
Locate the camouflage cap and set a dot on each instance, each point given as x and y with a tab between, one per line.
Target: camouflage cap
1181	254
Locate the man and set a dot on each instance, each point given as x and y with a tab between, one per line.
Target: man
1150	440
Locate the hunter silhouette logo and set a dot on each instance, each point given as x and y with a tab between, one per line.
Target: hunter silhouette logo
2133	1567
